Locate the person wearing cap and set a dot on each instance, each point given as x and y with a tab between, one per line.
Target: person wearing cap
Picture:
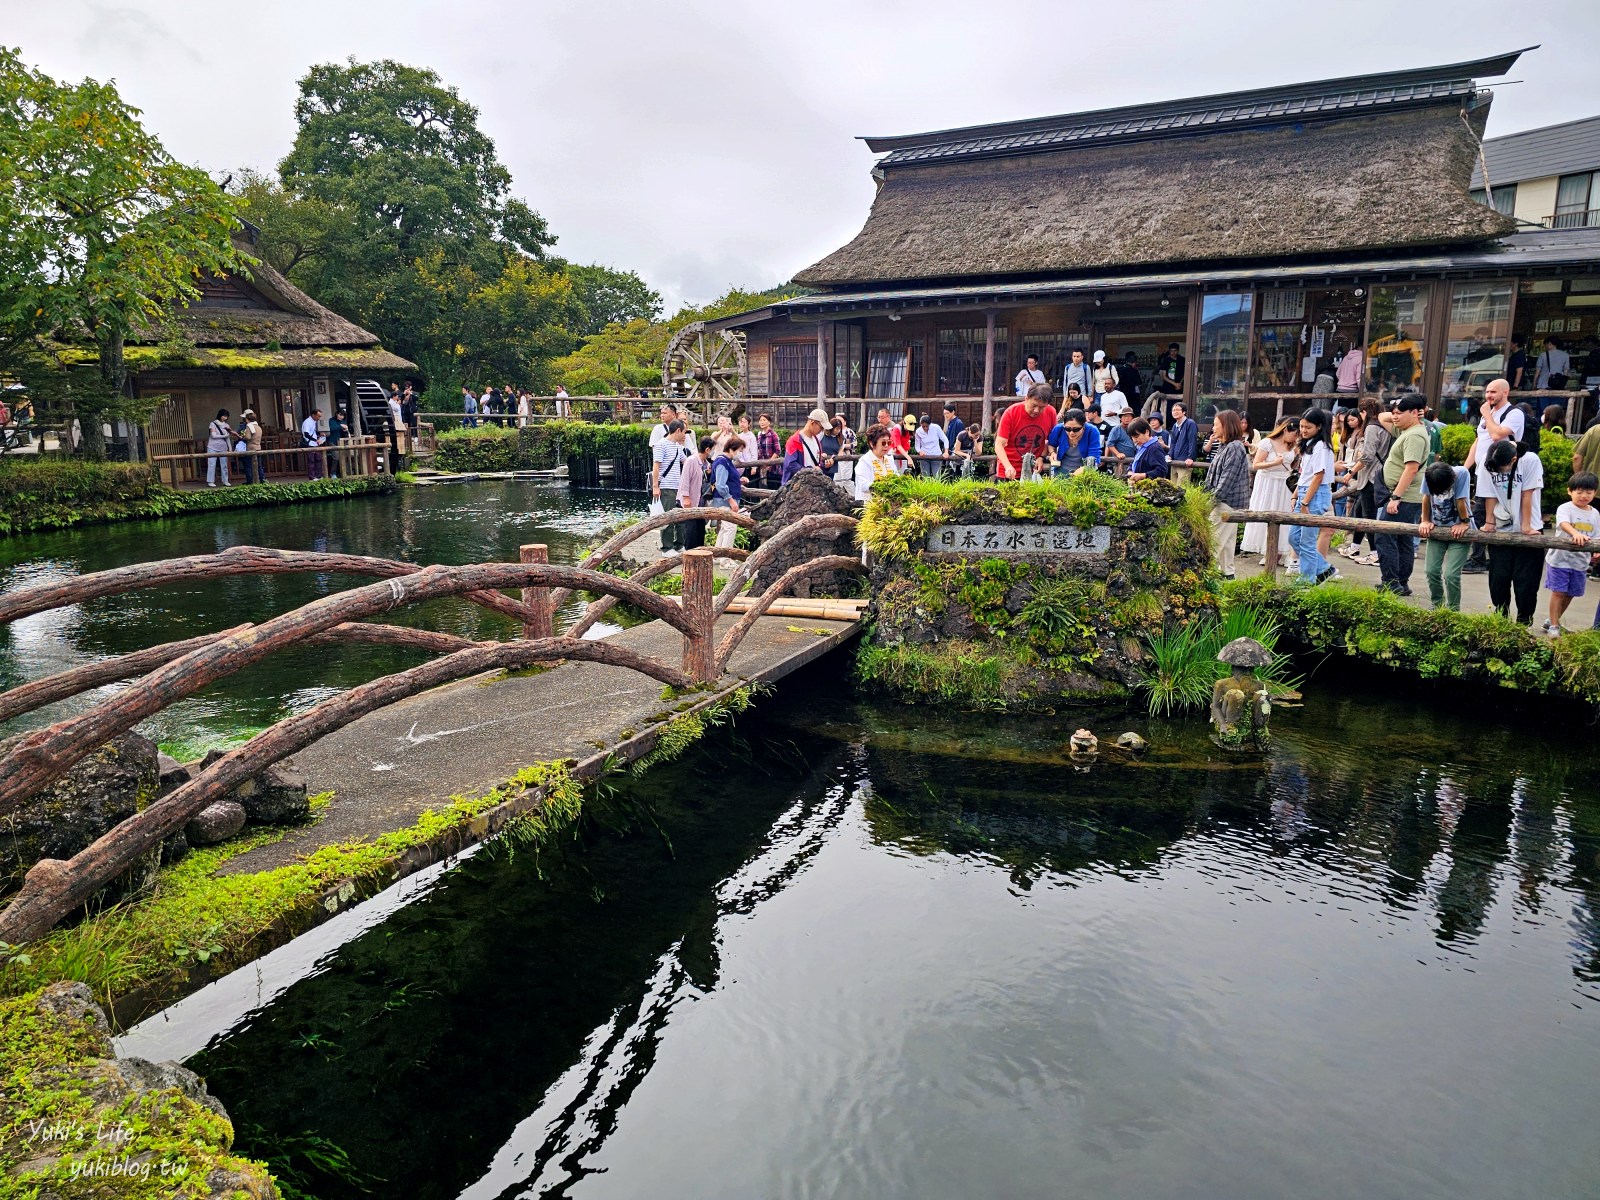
804	448
1097	420
249	432
1105	376
1402	475
1119	442
1077	372
931	445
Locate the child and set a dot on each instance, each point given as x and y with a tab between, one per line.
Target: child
1565	569
1446	491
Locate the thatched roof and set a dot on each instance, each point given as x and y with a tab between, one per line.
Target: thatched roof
258	309
1361	183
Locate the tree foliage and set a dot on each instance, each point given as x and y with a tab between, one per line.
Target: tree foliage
103	232
611	297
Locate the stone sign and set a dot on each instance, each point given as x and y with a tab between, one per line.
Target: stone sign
1019	539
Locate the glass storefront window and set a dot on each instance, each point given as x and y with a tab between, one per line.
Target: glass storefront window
1476	343
1395	346
1223	365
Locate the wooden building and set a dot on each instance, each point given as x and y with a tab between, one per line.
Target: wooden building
1266	232
258	343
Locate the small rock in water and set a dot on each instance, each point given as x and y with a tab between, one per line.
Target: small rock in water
215	823
1132	742
1084	742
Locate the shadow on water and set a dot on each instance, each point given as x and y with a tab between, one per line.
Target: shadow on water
538	1025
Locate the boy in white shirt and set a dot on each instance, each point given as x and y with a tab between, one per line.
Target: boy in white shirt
1566	570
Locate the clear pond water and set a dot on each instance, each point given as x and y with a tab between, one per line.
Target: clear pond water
853	949
453	523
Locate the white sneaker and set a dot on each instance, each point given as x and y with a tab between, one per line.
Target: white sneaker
673	553
1347	550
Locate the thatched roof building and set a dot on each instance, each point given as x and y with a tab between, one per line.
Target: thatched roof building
1268	234
1272	190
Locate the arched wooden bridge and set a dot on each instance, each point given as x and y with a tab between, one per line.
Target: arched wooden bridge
168	673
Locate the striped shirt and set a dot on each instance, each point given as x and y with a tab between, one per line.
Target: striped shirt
669	456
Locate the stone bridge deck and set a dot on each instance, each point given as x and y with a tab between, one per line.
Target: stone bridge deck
469	737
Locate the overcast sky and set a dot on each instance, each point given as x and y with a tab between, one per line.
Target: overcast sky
710	144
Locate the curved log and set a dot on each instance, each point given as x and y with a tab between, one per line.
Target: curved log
830	562
805	527
36	759
236	560
53	888
662	566
610	547
65	684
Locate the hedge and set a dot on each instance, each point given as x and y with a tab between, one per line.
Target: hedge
1433	643
55	495
540	447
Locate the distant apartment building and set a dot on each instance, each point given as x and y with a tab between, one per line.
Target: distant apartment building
1548	177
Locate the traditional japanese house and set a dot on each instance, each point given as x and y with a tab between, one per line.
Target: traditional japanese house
1268	233
258	342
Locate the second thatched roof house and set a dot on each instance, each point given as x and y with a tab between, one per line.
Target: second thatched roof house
1268	233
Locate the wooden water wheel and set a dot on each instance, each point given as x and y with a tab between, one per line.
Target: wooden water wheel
703	366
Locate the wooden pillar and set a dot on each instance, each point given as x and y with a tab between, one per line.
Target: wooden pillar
822	364
1271	550
988	368
699	651
1191	358
542	624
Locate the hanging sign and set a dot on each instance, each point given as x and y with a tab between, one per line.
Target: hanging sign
1318	342
1283	304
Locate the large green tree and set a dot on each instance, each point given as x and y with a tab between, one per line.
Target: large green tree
101	232
611	297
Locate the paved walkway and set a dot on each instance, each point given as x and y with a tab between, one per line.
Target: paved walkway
467	738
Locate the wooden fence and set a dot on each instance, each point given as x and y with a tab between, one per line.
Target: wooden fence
167	674
360	456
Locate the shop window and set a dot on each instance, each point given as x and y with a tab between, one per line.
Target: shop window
1223	364
961	362
1395	348
794	369
894	370
1475	343
1053	350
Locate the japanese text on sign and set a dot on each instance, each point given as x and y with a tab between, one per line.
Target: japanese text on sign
1019	539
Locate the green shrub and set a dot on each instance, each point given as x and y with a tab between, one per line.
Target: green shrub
1434	643
1457	441
488	448
1555	453
43	496
1181	667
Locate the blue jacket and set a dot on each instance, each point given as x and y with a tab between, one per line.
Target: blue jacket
725	483
1182	438
1150	460
1090	445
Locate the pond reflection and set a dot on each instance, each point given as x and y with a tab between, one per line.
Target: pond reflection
858	949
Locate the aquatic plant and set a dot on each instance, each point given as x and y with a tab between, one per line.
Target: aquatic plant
1181	666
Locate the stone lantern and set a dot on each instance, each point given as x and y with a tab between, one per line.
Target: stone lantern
1240	705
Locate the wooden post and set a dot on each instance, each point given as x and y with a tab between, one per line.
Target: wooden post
699	652
542	625
822	364
1271	550
988	368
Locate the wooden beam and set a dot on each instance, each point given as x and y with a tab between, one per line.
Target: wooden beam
988	368
822	362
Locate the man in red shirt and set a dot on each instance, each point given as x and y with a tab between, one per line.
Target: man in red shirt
1024	429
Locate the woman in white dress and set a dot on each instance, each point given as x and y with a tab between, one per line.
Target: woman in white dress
1270	492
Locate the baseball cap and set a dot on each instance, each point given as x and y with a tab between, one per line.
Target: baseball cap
819	415
1099	356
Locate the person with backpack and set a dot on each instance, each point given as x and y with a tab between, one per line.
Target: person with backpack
727	491
805	447
694	487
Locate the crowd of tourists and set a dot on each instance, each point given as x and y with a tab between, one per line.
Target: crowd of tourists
1380	459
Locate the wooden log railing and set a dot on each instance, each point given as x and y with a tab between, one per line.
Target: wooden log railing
166	674
1440	533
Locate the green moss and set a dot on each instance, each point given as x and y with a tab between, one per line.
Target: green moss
1432	643
975	676
682	732
50	1073
198	915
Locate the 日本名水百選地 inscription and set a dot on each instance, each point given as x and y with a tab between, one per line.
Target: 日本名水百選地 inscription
1019	539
